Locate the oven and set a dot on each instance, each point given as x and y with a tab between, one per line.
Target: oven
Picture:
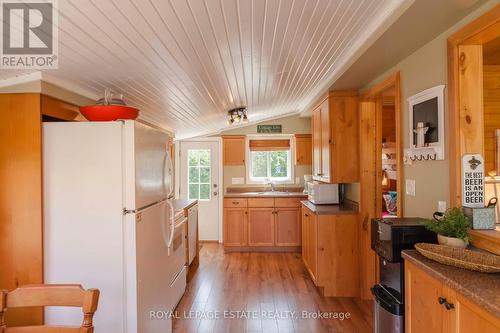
177	261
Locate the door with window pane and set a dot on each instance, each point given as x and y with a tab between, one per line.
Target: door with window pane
199	172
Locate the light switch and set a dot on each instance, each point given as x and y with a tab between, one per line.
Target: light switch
410	187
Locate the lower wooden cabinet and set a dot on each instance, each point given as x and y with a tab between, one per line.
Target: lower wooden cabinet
431	306
287	228
262	222
235	226
309	242
261	226
329	252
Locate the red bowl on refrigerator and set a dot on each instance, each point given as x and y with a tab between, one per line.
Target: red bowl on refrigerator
108	112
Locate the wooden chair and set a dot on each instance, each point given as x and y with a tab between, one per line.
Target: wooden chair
50	295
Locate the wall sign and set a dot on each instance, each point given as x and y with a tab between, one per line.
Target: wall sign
268	128
473	181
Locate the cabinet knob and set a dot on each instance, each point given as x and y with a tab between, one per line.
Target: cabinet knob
449	306
441	300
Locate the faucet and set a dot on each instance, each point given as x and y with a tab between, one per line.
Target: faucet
273	187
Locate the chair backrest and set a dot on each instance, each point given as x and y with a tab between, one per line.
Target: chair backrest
50	295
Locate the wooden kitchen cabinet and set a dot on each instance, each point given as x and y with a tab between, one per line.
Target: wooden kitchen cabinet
303	149
261	226
271	223
424	313
329	249
309	242
233	147
335	138
235	227
288	229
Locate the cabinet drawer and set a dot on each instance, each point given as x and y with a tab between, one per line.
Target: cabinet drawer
235	202
261	202
288	202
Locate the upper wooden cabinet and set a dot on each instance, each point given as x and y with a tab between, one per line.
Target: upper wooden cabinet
335	138
303	149
233	149
444	309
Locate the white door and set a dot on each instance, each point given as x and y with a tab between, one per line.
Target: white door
199	179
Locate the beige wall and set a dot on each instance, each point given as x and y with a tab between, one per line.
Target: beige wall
290	125
426	68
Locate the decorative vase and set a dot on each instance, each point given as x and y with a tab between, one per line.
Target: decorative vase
451	241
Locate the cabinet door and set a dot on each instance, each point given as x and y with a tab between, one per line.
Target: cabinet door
325	143
303	146
235	226
234	149
288	229
345	139
467	316
305	236
313	246
422	309
316	143
261	226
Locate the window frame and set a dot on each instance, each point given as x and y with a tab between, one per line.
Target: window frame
266	180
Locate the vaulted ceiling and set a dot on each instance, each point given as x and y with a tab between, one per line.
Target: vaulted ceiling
184	63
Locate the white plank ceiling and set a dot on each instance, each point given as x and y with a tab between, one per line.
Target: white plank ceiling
184	63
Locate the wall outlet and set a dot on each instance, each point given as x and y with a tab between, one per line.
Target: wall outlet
238	181
442	206
297	180
410	187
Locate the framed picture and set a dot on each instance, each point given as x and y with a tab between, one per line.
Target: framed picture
427	119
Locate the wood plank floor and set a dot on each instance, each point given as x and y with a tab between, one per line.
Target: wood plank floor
272	288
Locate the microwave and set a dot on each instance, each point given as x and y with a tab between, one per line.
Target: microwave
323	193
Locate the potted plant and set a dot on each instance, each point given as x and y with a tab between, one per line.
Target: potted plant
452	228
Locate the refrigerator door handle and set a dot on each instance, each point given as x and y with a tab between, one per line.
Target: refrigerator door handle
172	225
168	168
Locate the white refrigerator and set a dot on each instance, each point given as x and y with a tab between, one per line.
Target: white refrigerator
109	223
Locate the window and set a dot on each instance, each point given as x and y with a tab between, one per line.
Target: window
199	174
269	160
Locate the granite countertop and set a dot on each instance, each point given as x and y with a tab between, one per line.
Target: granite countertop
345	208
481	288
265	195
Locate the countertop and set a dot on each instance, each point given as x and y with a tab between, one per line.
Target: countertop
181	206
345	208
481	288
265	195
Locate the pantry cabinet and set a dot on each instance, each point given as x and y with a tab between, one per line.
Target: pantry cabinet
233	149
432	306
329	249
253	223
335	138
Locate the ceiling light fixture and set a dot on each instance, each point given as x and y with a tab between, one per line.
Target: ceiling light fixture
237	115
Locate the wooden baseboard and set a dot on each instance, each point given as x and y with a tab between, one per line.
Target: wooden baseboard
208	241
262	248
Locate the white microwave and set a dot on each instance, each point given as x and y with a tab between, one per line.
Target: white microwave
323	193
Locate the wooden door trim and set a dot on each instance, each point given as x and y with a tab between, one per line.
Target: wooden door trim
480	31
371	95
